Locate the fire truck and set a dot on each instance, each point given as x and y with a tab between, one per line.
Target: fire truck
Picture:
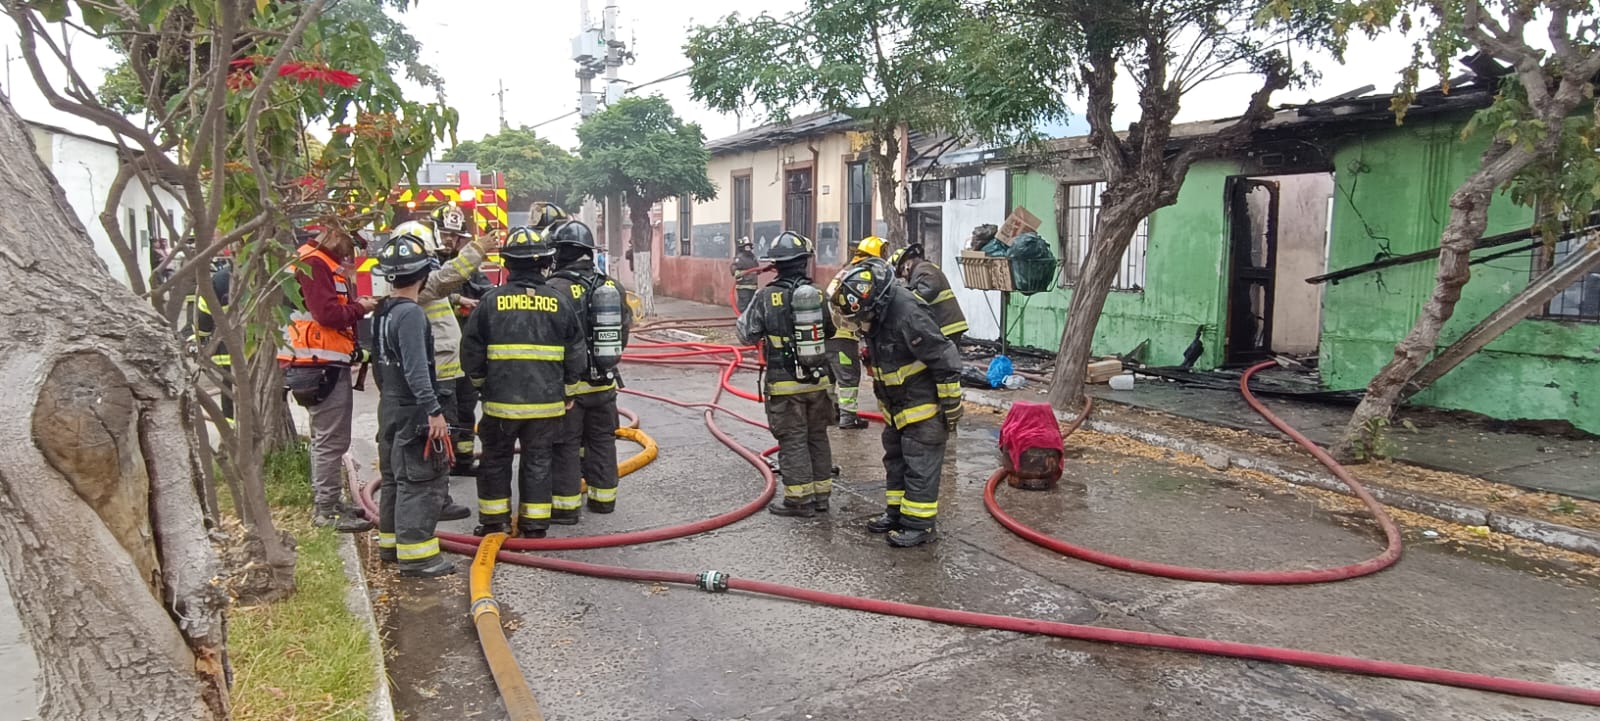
482	194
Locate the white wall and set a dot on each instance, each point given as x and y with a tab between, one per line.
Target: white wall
1302	253
85	169
982	308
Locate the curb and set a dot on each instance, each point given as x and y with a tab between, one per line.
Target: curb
1556	535
381	706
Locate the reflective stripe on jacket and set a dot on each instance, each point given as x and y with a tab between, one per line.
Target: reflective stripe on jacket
307	342
523	347
929	283
913	364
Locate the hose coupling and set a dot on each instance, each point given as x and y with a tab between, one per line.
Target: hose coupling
712	581
485	605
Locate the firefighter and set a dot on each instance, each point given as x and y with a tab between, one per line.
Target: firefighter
789	319
414	437
459	255
545	216
205	325
928	282
844	347
524	348
477	286
319	345
916	375
745	276
587	450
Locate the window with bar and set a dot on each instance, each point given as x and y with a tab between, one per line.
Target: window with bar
969	187
1081	211
859	200
1581	300
685	223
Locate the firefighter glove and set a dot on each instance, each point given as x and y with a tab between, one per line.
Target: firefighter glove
950	403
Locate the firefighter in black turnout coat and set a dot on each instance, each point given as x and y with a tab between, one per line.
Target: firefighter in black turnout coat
789	320
413	438
587	447
523	347
916	375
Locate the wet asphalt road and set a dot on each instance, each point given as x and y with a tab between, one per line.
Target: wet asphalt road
598	650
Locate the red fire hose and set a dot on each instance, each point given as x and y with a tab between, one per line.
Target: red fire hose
1391	532
715	581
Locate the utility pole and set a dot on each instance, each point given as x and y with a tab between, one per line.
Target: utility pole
502	95
596	51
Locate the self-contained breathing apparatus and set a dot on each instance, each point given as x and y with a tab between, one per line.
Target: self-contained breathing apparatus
602	301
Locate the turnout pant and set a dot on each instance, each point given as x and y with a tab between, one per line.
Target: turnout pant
466	419
501	438
744	296
408	500
587	451
800	424
330	439
844	354
913	458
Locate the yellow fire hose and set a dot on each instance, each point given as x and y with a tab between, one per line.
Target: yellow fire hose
508	677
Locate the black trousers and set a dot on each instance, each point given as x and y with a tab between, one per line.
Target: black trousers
465	420
800	424
586	449
744	296
409	499
501	439
913	458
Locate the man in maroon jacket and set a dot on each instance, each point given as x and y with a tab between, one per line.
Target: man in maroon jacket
320	346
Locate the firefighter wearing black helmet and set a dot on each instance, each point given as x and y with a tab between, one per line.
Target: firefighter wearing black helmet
929	283
523	347
413	437
545	216
587	448
916	375
788	318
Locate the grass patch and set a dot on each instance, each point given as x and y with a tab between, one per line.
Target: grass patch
306	657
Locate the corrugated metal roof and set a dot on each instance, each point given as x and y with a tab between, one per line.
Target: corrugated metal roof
767	136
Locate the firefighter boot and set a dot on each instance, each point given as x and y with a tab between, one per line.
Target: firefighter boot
796	509
440	566
908	537
452	511
341	519
565	517
530	532
848	420
485	529
884	523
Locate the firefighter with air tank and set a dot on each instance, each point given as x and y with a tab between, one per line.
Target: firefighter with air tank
524	348
925	279
788	319
844	348
586	450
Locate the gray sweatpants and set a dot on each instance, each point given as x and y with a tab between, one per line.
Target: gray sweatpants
330	439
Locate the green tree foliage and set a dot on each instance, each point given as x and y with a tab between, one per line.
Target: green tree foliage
536	169
933	65
640	150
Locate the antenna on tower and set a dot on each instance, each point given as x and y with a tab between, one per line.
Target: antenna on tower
501	94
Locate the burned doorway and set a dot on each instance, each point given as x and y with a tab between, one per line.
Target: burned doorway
1278	237
926	226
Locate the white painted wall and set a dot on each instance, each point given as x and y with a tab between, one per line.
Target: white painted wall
85	169
982	308
1302	253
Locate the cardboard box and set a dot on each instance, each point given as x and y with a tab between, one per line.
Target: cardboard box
1101	371
1020	221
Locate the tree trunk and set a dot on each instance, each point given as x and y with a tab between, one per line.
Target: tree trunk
1469	215
1113	233
885	156
1520	306
643	272
101	531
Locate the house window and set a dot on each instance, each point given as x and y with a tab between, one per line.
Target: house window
1581	300
798	213
685	223
969	187
929	191
1080	213
859	202
743	217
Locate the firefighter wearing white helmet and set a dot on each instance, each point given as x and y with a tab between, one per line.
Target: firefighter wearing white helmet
788	318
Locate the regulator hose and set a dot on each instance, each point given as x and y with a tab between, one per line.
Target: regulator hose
716	581
1391	532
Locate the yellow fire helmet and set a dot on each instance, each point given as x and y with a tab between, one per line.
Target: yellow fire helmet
871	245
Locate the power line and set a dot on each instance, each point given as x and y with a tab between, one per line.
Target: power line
554	119
662	79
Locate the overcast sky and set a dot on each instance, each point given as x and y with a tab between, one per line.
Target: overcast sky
527	45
